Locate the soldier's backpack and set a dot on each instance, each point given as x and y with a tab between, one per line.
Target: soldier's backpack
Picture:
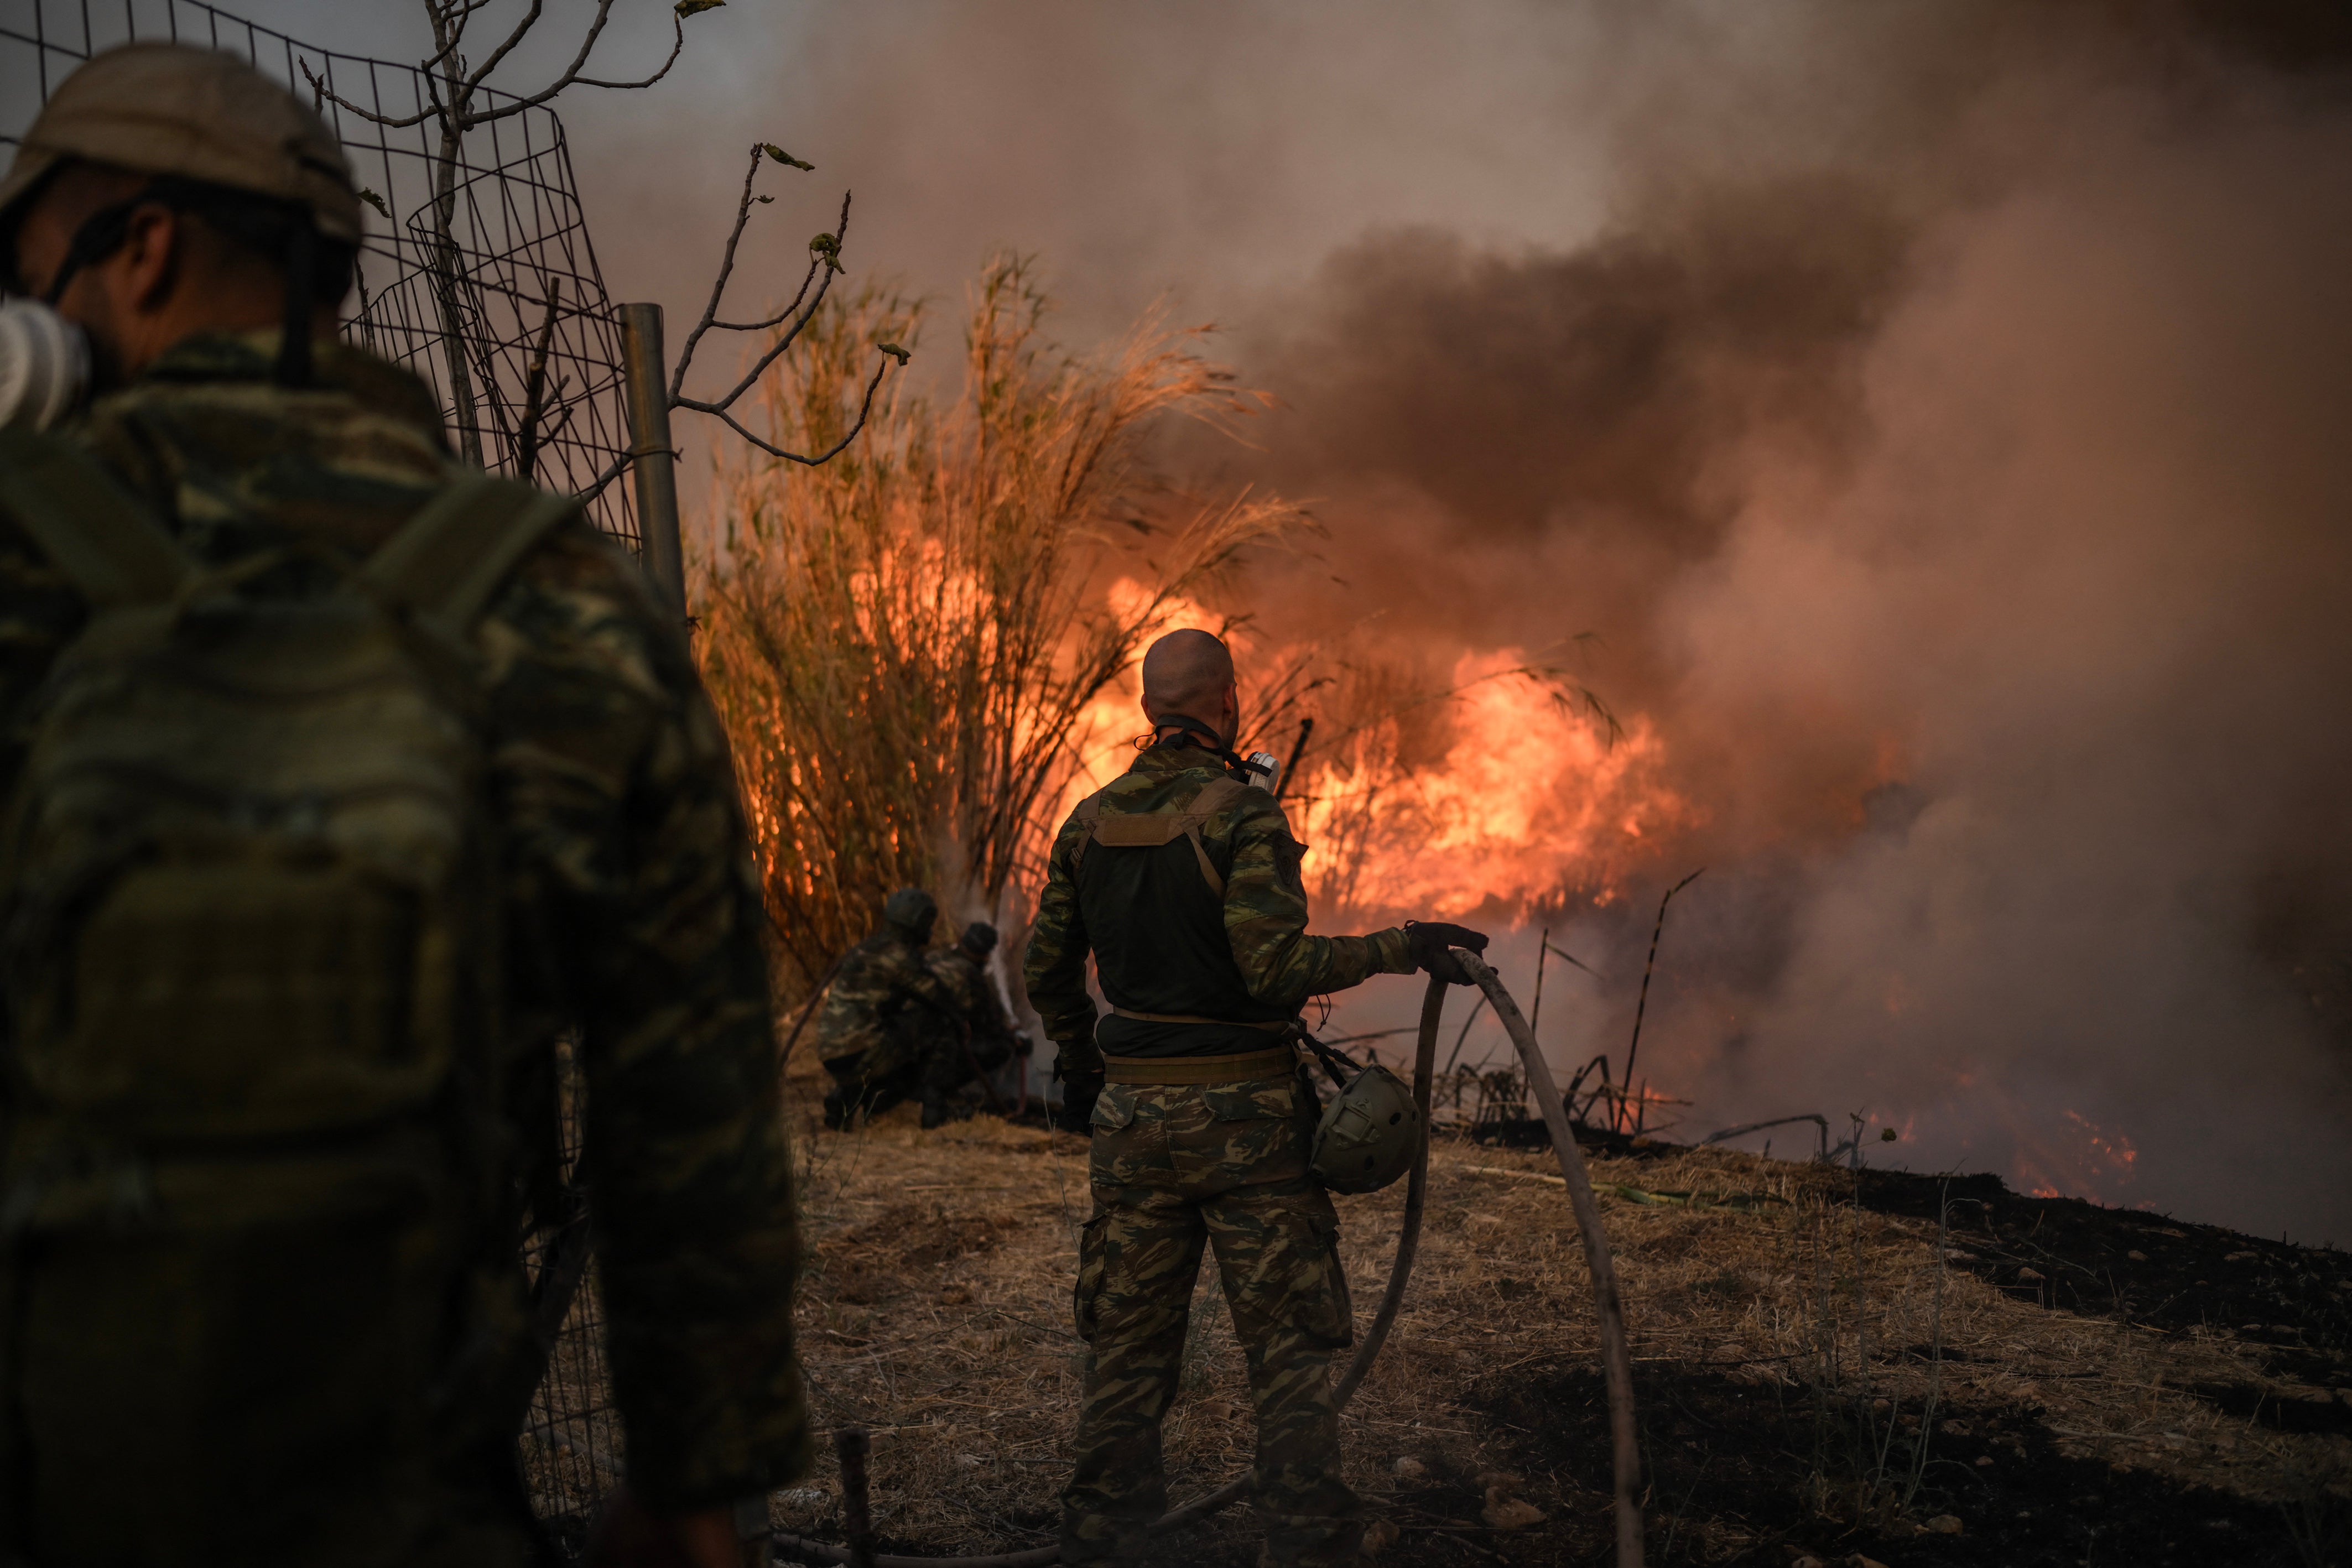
249	948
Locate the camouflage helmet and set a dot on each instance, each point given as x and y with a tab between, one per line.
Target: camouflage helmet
1370	1134
979	939
197	114
912	911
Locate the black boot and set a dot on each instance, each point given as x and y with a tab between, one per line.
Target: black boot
935	1109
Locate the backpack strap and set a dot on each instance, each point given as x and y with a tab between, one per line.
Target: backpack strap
446	561
1147	829
1087	814
91	528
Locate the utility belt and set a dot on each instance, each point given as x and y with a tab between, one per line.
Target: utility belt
1279	1062
1276	1060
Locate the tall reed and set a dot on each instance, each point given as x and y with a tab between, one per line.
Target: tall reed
908	644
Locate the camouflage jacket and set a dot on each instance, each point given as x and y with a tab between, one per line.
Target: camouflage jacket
967	982
1168	946
879	979
632	911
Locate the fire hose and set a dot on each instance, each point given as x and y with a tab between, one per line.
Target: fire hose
1616	1357
1619	1367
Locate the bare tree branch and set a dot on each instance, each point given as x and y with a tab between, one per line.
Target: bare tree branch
319	88
781	315
726	271
828	262
832	266
455	90
459	112
830	453
463	13
677	42
571	72
760	367
529	20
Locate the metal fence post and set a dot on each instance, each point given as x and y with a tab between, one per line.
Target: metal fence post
645	369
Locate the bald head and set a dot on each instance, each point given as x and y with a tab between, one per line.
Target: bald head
1192	673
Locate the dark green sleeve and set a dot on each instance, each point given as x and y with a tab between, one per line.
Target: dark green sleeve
1056	969
1265	919
39	613
621	803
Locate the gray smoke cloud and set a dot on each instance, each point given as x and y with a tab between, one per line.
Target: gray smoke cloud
1968	510
1937	410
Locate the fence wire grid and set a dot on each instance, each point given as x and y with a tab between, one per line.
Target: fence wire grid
471	262
507	284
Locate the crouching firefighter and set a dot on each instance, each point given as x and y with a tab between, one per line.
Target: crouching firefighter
885	1014
1183	882
978	1038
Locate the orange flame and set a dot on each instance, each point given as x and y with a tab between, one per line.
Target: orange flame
1529	798
2097	1168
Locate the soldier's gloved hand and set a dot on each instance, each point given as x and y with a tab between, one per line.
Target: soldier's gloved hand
1078	1093
1428	941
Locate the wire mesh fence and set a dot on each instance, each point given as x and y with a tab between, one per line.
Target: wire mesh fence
477	275
572	1436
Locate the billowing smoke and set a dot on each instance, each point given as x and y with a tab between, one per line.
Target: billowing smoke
1969	505
1935	414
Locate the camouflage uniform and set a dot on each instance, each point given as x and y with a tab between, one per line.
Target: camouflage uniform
1178	1164
965	981
631	913
979	1036
877	1025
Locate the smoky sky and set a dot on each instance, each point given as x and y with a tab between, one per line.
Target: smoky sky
1933	413
1967	508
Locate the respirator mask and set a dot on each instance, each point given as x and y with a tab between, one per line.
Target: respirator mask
44	365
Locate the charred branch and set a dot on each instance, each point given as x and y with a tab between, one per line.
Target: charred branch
1643	1006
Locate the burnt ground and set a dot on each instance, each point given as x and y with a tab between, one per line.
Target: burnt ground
1715	1447
1721	1448
2067	1255
2055	1383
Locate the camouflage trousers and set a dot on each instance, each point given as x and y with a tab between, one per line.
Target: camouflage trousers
1174	1168
929	1067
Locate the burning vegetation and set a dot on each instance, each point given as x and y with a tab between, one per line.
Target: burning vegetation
909	644
1923	512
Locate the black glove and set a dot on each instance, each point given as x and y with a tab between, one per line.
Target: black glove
1428	941
1078	1092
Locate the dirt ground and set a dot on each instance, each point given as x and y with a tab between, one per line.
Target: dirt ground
1819	1375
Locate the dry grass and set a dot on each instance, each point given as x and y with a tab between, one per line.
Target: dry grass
936	1312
